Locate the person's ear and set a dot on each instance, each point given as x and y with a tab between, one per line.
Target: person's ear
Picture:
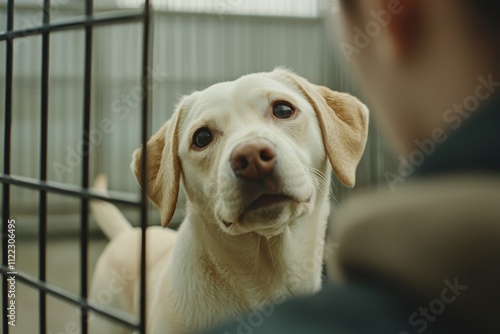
405	27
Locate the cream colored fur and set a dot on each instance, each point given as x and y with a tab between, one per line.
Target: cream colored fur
227	259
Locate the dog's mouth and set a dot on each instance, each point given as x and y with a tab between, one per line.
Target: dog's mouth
268	201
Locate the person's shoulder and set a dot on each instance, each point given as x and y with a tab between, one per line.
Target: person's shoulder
354	308
432	234
462	191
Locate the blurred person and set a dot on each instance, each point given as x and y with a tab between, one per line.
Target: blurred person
423	255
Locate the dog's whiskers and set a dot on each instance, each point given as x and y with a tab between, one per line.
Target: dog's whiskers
211	201
271	255
257	253
322	181
332	195
320	177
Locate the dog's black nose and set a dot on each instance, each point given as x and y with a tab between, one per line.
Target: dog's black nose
254	159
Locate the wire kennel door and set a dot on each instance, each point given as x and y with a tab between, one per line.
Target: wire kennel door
86	23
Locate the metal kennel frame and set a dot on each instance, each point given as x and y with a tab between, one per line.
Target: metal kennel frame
44	186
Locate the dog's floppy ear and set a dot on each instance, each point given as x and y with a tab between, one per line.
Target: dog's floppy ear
343	120
163	167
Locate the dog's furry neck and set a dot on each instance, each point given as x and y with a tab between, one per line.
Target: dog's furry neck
260	270
245	255
250	269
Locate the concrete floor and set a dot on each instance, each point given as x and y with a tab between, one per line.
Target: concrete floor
63	271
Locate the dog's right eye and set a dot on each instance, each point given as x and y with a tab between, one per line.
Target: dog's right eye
283	110
202	137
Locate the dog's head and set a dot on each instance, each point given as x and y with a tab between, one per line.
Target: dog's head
253	153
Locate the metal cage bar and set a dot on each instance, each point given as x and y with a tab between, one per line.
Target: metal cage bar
42	223
44	187
96	20
68	190
74	299
144	138
87	103
9	49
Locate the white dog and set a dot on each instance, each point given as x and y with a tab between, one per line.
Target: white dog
254	156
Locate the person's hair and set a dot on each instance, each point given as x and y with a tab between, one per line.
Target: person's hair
488	9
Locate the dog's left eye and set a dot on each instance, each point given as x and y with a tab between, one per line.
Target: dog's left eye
283	110
202	137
